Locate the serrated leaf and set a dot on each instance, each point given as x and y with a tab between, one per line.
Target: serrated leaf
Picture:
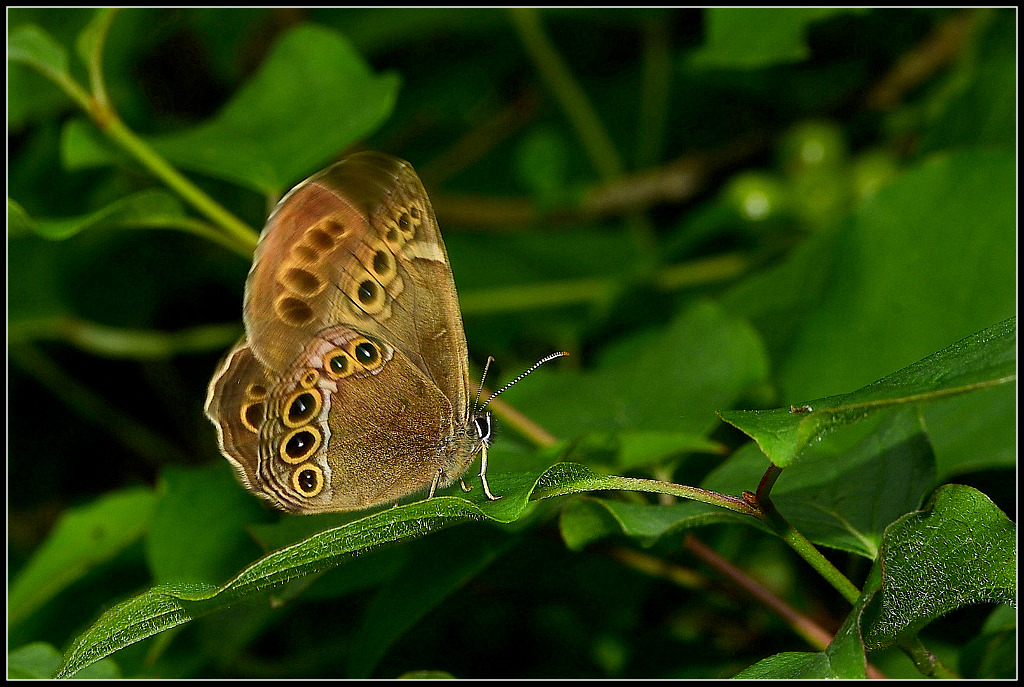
985	359
960	550
167	606
84	538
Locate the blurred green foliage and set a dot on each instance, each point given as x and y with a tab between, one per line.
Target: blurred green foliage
812	200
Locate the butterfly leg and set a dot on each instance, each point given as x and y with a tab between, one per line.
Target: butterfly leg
465	487
483	473
433	485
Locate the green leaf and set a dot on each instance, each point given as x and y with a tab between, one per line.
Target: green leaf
18	221
167	606
960	550
82	146
985	359
993	654
84	538
40	661
586	519
847	489
31	45
149	208
791	665
971	108
198	533
440	565
312	97
748	38
664	380
843	658
899	281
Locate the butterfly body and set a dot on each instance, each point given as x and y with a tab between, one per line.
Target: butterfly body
350	387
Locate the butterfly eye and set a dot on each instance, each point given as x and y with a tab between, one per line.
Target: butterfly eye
338	364
483	427
299	444
302	407
308	480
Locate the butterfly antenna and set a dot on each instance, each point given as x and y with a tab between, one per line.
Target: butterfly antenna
533	367
487	366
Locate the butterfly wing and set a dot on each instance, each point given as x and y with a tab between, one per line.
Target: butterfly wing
358	244
236	403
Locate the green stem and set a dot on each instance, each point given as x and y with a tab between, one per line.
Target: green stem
654	90
70	87
806	550
687	492
94	57
116	130
86	403
117	342
107	121
924	660
595	290
568	92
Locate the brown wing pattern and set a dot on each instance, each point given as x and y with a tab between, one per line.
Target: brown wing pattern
358	243
370	427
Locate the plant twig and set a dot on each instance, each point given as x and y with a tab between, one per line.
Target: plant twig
529	429
654	90
116	130
553	70
118	342
674	182
93	55
133	434
479	141
595	290
937	50
813	634
106	119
